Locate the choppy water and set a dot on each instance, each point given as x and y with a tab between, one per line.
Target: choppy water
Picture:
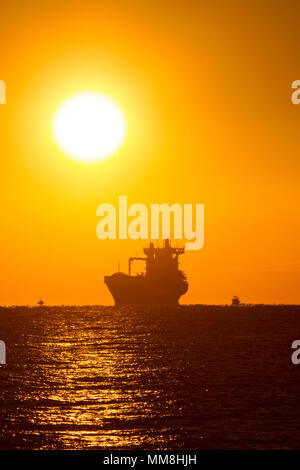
191	377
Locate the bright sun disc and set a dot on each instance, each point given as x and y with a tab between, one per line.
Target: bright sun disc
89	127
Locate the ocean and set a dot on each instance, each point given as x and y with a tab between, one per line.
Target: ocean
191	377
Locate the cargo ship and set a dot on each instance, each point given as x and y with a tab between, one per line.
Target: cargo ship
162	283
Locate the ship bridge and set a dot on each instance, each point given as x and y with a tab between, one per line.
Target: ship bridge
160	261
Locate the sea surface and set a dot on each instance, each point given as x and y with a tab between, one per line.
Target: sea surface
192	377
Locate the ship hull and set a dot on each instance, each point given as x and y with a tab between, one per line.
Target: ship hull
140	290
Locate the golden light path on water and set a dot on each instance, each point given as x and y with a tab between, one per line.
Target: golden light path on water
90	381
187	377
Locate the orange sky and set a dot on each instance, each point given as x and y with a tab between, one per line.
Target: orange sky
206	90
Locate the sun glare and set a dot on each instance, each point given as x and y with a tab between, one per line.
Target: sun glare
89	127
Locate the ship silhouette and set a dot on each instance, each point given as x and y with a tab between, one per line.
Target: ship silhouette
161	284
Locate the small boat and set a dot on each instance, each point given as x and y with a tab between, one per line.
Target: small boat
236	301
41	302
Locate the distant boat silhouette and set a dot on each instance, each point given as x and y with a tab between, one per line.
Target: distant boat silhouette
41	303
162	283
235	301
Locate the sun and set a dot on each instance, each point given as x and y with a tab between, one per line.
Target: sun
89	127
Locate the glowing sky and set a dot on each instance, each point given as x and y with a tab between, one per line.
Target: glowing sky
205	87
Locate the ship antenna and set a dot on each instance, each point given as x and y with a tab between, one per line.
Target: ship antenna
118	266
